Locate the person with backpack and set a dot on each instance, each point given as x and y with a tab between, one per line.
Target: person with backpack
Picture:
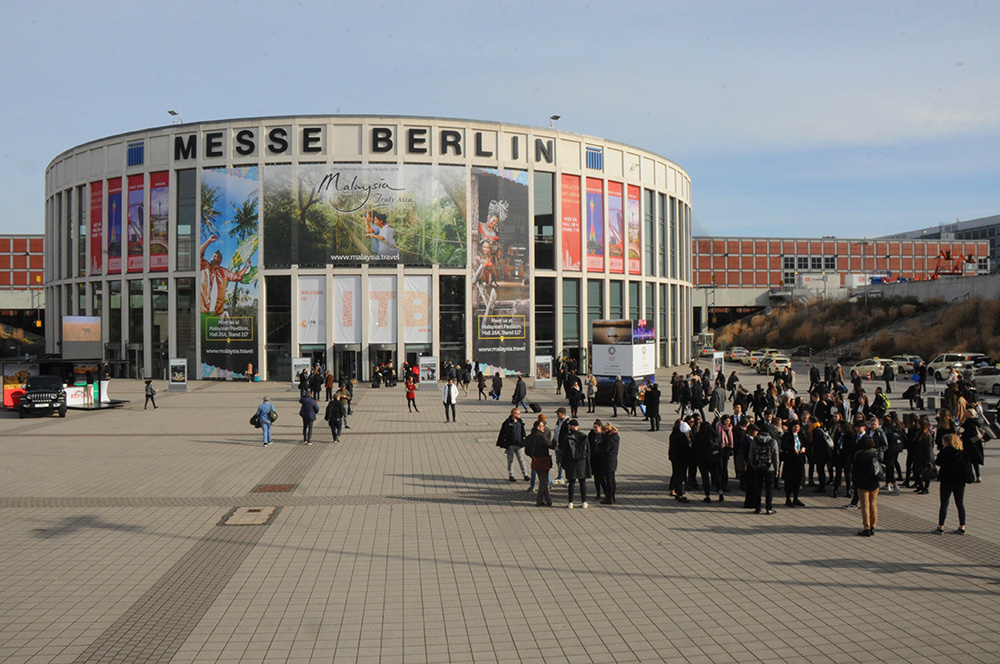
763	457
880	404
265	419
334	416
972	440
868	476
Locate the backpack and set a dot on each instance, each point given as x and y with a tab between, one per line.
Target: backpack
762	459
895	440
826	438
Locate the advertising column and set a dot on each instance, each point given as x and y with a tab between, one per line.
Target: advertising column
136	222
96	227
501	275
228	272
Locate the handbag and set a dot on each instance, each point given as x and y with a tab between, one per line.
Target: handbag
272	415
929	473
541	463
255	420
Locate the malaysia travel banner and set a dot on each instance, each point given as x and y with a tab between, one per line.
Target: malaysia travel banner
159	215
136	222
227	281
115	226
379	214
616	229
571	237
96	227
595	225
501	299
633	225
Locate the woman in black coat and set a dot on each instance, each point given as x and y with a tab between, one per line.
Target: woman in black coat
594	438
609	447
953	476
679	454
923	453
972	440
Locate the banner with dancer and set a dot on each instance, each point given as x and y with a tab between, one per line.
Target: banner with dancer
501	272
136	221
634	237
616	229
228	277
595	225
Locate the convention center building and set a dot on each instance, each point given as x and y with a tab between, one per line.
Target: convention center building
240	245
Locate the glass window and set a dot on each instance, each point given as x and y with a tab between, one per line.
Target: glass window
803	262
160	330
95	299
571	313
81	299
545	248
81	236
661	331
816	263
634	300
650	304
647	235
789	278
595	305
187	222
674	335
115	312
616	298
186	323
673	237
278	342
545	316
789	263
452	312
661	222
67	201
136	311
829	263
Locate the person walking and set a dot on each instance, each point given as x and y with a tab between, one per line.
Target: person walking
511	439
481	384
591	393
335	417
330	382
679	454
411	395
575	450
449	395
520	393
308	411
617	396
889	376
868	476
497	385
923	453
537	447
264	419
956	471
150	395
610	442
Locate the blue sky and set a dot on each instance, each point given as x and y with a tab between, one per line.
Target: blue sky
792	118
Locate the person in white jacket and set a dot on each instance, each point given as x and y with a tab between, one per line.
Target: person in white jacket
449	395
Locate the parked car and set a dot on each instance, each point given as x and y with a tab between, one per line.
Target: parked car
754	356
907	363
735	353
942	365
870	369
706	351
987	379
43	394
777	363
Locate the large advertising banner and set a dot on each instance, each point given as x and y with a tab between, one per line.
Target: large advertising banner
633	225
382	309
623	348
228	275
595	225
159	216
115	226
500	285
571	238
312	309
616	229
380	214
417	293
346	314
96	227
15	375
136	221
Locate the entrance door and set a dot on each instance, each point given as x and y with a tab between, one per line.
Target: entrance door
345	363
382	358
135	369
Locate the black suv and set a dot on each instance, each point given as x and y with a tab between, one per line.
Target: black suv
43	392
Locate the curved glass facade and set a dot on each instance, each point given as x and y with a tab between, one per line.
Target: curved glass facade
241	245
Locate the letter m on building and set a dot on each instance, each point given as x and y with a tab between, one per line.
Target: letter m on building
185	147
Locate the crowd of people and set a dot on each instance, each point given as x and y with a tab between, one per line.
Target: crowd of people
832	439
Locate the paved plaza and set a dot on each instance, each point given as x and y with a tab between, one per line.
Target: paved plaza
406	543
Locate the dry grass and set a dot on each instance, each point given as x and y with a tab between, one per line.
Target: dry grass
971	325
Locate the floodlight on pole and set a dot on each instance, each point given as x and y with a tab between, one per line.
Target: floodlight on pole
176	114
552	120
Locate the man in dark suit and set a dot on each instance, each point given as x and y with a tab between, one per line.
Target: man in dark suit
652	403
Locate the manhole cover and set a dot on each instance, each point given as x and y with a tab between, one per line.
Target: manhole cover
275	488
249	516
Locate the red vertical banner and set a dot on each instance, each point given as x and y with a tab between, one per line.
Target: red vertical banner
136	222
115	226
633	226
595	225
571	251
96	227
159	215
616	229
